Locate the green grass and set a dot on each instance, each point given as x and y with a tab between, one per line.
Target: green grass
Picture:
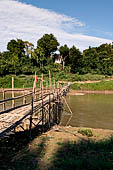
62	75
27	80
21	80
84	131
103	85
85	155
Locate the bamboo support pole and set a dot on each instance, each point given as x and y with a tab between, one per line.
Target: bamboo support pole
49	80
42	82
42	86
49	110
30	126
3	99
42	106
35	86
13	102
46	86
54	84
24	98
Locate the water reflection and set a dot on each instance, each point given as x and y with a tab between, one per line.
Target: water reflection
90	110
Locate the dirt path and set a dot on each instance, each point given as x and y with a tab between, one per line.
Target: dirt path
90	81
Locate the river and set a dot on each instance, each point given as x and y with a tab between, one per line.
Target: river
89	110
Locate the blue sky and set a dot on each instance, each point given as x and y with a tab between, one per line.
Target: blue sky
82	23
96	14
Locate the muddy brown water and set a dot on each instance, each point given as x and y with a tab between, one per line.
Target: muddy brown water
89	110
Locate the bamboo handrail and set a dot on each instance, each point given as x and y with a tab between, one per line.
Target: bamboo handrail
14	98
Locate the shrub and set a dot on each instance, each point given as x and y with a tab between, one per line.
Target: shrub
87	132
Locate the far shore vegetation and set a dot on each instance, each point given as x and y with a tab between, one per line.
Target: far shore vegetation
26	81
22	60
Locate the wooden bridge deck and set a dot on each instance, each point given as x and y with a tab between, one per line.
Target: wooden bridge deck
11	118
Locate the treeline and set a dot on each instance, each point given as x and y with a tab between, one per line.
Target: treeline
22	58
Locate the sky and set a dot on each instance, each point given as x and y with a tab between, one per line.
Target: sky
82	23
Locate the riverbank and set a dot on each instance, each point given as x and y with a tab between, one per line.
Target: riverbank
71	91
61	148
83	92
93	86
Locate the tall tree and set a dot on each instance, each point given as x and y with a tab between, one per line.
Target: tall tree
64	52
17	54
39	56
75	59
90	60
48	43
4	63
29	48
17	47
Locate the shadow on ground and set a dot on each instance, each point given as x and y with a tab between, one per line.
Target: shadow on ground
82	155
14	150
85	155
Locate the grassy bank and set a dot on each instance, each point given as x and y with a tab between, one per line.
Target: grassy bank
27	80
20	81
101	86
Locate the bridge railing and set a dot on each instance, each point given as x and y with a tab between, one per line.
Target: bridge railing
13	100
43	108
37	96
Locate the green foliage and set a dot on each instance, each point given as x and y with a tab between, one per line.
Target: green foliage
22	58
48	43
87	132
64	52
6	81
90	60
75	59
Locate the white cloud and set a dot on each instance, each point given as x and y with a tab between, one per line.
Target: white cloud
19	20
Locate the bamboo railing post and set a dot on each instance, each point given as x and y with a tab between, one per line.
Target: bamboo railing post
3	99
49	80
13	101
35	87
57	108
53	110
30	126
58	84
42	82
49	110
42	111
46	86
24	98
54	84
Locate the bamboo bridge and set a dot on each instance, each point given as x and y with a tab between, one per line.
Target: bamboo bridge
38	108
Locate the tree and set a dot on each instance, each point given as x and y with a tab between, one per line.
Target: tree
48	43
29	48
17	54
75	59
39	56
64	52
4	63
90	60
106	58
17	47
